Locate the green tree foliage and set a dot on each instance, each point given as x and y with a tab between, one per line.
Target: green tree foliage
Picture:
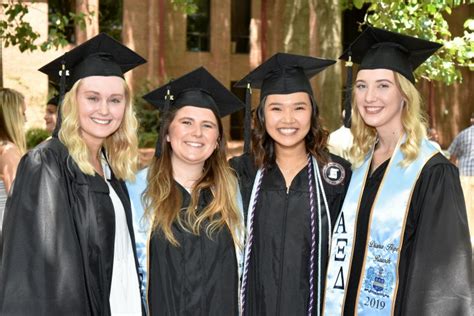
186	6
148	118
14	30
35	136
426	19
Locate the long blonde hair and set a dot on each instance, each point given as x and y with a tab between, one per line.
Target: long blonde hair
413	122
163	200
121	147
12	127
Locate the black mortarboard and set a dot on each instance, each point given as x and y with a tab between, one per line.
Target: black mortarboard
99	56
376	48
284	74
54	100
280	74
197	88
380	49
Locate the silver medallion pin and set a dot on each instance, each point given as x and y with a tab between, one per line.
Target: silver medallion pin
334	173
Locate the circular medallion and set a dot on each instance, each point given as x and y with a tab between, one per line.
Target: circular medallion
334	173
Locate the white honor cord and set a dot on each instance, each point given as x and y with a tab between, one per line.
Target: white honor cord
328	213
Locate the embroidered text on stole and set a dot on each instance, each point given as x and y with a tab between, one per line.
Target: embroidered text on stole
379	274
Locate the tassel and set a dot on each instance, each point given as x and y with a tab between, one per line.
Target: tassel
62	91
348	93
166	107
247	118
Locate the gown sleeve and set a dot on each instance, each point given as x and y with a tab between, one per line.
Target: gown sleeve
439	277
41	270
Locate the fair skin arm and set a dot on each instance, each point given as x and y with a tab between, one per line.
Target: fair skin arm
9	160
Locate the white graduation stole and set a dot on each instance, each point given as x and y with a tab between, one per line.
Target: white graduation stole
379	280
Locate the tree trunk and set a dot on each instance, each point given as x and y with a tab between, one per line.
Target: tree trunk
1	64
92	22
327	39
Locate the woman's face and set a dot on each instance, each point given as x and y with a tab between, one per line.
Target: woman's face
50	117
288	119
379	100
101	101
193	135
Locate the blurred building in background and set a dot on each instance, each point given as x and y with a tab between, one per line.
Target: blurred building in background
229	38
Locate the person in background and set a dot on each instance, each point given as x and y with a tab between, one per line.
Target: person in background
291	186
51	113
340	140
68	245
191	202
461	153
12	140
401	243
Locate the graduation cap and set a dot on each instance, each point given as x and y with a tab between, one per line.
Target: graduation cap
99	56
380	49
281	74
196	88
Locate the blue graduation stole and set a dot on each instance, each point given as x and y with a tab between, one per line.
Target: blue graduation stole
379	280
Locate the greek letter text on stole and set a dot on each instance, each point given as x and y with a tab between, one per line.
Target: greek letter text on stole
377	287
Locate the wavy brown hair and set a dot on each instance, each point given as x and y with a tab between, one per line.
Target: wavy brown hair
413	122
163	199
263	146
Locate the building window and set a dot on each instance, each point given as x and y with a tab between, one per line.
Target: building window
110	18
240	26
57	8
237	118
198	27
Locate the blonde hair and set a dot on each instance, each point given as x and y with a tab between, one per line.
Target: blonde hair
163	200
12	119
121	147
413	122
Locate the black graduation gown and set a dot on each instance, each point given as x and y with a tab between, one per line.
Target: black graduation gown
435	274
278	277
199	277
58	239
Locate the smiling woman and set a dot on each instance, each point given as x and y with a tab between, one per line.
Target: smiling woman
191	202
401	244
291	188
69	196
98	106
193	134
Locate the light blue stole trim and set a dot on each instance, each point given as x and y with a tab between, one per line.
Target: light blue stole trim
377	288
342	239
140	226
